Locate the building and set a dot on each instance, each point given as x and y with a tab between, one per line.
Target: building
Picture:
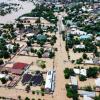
35	80
87	98
97	83
76	31
80	71
87	93
50	81
74	82
81	46
98	38
26	78
18	68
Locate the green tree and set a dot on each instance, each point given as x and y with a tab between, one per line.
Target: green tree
92	72
3	80
27	88
82	78
27	98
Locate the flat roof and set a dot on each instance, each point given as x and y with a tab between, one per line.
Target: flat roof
87	93
73	80
97	82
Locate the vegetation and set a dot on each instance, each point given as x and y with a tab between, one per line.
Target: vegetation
3	80
97	98
27	98
71	93
68	72
92	72
43	11
79	61
82	78
88	88
41	64
27	88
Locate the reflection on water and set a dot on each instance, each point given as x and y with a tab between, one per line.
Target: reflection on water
26	7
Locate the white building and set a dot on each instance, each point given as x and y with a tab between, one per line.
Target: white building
87	98
98	38
97	82
76	31
80	71
87	93
74	80
4	76
50	81
81	46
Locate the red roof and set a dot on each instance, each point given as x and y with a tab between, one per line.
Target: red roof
19	65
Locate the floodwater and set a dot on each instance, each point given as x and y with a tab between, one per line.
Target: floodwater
26	7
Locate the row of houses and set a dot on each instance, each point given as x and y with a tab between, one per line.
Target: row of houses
87	95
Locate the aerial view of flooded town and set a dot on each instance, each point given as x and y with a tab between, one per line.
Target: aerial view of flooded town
49	49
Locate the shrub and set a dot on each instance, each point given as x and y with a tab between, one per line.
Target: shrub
1	62
97	98
3	80
72	93
82	78
88	88
92	72
27	98
79	61
85	56
68	72
33	92
33	98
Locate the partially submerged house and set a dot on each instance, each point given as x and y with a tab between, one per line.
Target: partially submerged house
35	80
80	71
75	31
97	83
93	61
74	80
81	46
18	68
85	97
87	93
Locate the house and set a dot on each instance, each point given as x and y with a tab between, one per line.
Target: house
35	80
97	83
81	46
18	68
29	35
74	80
94	61
10	46
84	37
4	76
26	78
76	71
85	97
83	72
80	71
87	93
46	55
97	38
50	81
76	31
